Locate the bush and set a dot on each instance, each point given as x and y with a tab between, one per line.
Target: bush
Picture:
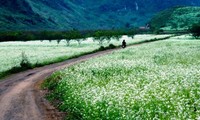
101	48
158	31
195	30
25	64
111	46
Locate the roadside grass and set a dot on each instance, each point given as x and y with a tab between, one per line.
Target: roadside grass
159	80
44	53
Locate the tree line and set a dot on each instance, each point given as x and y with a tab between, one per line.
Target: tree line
59	35
100	35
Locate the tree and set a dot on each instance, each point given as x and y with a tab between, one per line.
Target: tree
195	30
68	41
100	40
58	41
102	35
99	36
79	41
73	34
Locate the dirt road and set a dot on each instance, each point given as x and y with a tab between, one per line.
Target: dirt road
22	99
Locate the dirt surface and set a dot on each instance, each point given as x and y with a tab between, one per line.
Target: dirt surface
21	97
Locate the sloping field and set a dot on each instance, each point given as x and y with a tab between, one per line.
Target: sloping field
46	52
159	80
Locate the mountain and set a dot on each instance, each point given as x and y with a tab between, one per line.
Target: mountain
177	18
81	14
37	14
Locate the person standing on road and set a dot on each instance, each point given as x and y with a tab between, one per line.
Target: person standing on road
123	44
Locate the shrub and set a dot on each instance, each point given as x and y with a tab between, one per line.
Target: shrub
195	30
25	64
101	48
158	31
111	46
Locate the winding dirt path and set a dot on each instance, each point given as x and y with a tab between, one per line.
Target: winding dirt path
21	97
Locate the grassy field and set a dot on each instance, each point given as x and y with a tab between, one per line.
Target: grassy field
159	80
49	52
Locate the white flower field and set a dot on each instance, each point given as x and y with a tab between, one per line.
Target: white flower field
47	52
159	80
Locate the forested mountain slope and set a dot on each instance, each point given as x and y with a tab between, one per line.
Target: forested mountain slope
81	14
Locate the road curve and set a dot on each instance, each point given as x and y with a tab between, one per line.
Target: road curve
21	97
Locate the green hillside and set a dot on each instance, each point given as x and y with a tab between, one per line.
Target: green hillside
80	14
41	15
178	18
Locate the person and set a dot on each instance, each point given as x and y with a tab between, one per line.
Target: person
123	44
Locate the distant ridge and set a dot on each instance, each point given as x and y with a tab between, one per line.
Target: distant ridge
80	14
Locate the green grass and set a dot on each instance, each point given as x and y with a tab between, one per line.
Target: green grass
152	81
43	53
